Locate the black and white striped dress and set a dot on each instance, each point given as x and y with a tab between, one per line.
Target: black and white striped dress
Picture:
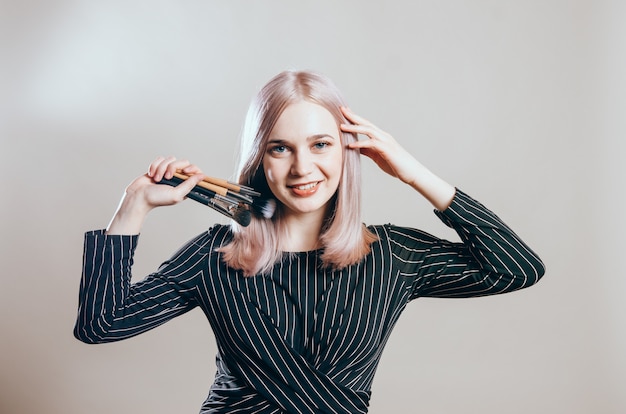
301	339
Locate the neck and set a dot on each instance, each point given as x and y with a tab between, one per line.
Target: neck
302	233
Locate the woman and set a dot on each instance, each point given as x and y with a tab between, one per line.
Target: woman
301	304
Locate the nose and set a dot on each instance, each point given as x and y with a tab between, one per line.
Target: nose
302	164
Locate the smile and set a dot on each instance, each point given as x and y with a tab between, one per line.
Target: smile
305	189
305	186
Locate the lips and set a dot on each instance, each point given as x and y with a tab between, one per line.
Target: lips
304	190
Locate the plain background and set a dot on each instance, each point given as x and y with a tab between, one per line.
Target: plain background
519	103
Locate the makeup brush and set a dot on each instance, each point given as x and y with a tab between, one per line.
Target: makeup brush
237	213
214	192
239	188
223	191
263	207
231	209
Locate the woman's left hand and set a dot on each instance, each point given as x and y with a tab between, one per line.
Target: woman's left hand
392	158
382	148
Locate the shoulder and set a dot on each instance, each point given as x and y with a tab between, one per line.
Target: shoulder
206	242
393	233
213	238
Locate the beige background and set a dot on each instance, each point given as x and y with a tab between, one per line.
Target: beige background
520	103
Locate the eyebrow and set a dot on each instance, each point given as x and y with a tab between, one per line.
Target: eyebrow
309	138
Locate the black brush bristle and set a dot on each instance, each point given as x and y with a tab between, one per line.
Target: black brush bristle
242	216
264	207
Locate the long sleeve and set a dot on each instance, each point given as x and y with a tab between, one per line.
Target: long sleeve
491	258
111	308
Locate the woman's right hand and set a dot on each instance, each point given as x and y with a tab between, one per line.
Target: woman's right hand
144	193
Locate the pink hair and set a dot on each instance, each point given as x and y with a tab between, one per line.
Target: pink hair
345	240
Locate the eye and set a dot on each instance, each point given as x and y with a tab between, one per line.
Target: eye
320	145
278	149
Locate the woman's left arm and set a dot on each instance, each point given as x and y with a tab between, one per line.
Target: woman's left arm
492	258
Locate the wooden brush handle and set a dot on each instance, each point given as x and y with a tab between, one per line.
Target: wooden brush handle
222	183
230	186
211	187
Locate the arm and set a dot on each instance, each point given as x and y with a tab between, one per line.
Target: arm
491	259
106	296
111	308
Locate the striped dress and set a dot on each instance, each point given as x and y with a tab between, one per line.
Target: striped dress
301	339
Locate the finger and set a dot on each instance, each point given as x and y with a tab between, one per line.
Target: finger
161	168
191	169
366	143
175	165
354	118
369	130
186	186
153	166
369	153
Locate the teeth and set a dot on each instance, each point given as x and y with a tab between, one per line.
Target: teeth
306	187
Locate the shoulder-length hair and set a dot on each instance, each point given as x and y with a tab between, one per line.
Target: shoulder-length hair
344	239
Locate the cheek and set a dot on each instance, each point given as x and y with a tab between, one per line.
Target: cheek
272	173
267	170
269	175
337	164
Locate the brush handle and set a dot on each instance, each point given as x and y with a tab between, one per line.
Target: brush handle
208	186
207	202
238	188
218	189
200	198
215	201
220	182
174	181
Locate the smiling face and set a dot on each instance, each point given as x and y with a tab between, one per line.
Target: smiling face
303	159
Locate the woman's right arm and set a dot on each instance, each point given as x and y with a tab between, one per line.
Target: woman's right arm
110	308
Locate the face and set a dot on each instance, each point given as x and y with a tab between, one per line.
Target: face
303	159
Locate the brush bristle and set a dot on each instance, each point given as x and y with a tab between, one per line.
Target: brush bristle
242	216
264	207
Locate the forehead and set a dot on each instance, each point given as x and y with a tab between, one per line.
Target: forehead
303	119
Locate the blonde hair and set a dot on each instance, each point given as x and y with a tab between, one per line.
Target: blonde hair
345	240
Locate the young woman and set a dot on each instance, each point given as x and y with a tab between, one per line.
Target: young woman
301	304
